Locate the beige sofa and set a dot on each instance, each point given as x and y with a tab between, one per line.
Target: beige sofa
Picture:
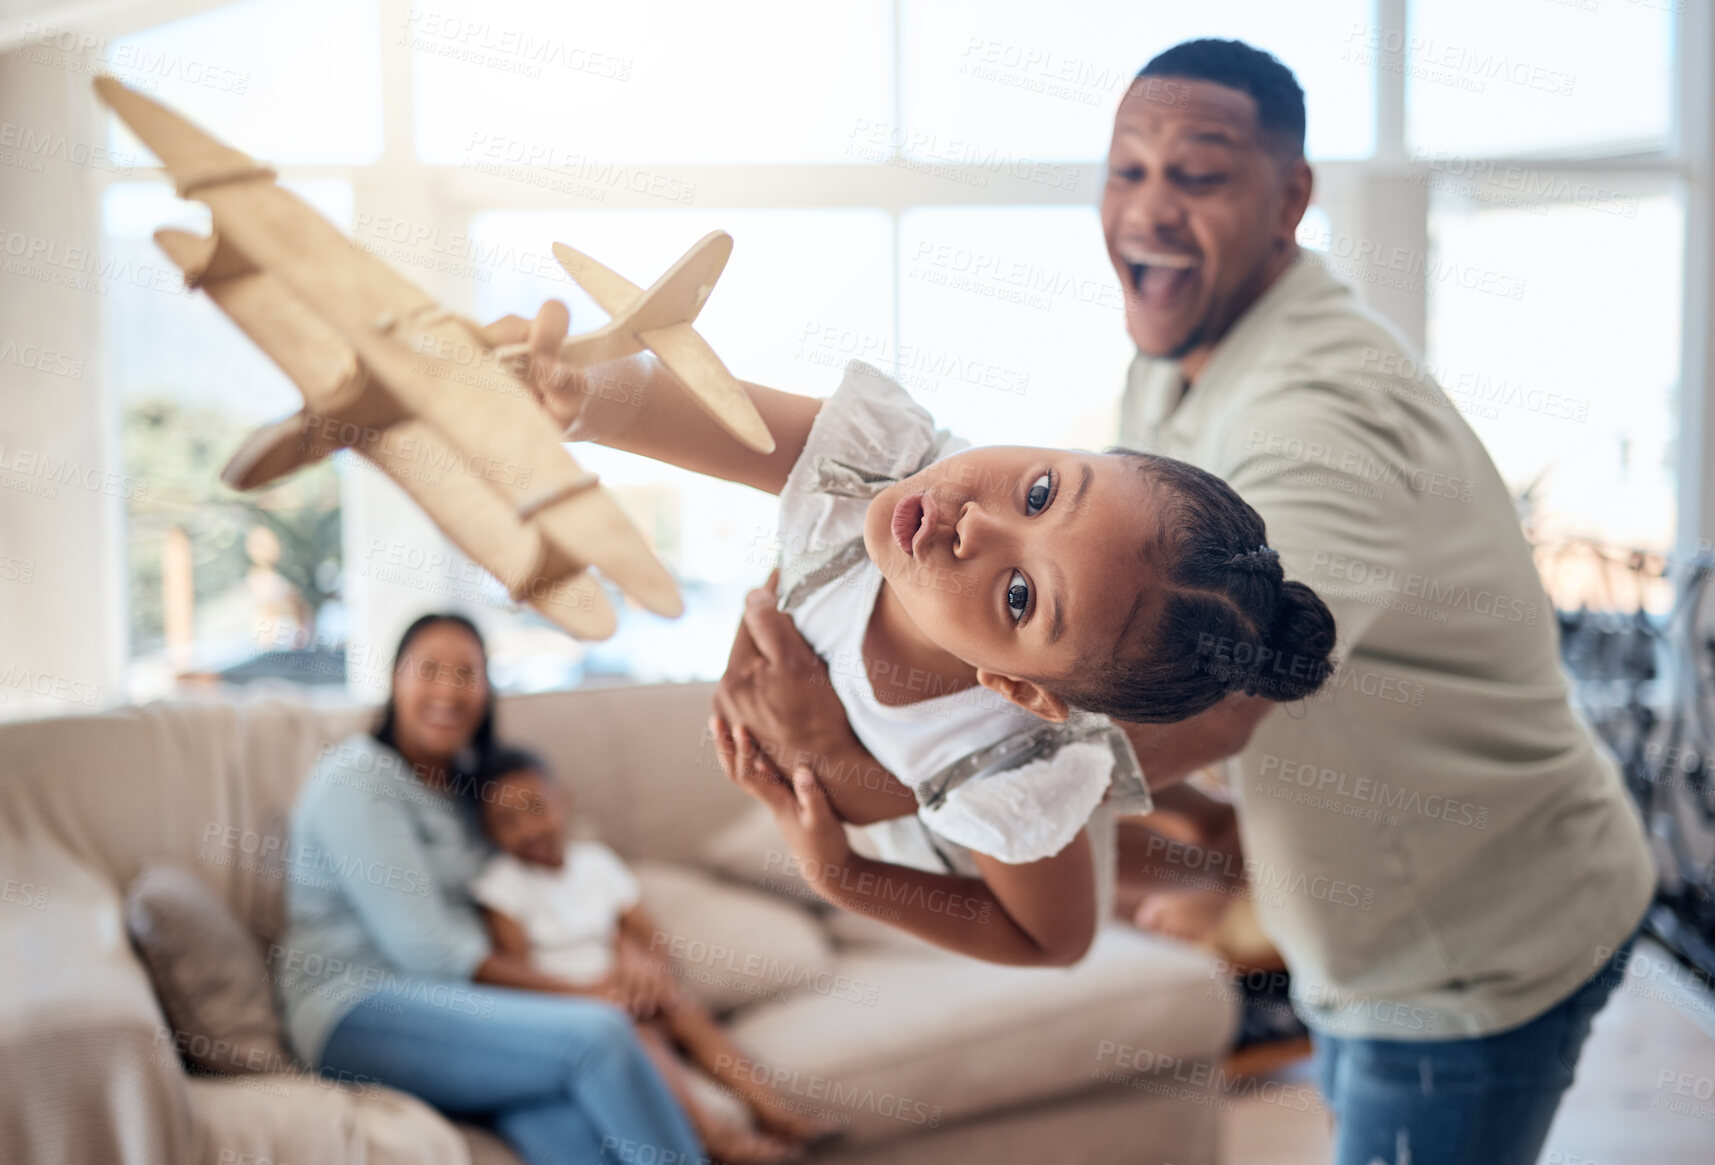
923	1056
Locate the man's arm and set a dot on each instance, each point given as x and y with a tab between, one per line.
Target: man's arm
1168	753
1190	839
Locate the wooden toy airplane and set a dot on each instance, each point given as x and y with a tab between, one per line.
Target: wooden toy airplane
418	391
660	319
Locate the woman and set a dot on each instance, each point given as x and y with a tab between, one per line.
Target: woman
386	972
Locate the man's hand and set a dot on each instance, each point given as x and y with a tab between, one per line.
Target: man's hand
776	709
775	698
801	812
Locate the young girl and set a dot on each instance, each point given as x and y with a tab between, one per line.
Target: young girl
977	606
574	911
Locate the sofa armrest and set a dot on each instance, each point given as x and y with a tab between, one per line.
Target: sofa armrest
88	1069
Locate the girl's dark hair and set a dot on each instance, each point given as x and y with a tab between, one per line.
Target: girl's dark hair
1227	619
503	762
482	744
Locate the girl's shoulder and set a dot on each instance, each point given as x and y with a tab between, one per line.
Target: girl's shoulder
869	433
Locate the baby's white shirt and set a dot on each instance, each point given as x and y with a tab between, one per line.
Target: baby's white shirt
1023	815
570	915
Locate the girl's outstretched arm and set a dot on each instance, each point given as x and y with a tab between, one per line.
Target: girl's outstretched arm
635	404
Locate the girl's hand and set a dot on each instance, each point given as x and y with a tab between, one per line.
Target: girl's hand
558	387
633	988
638	984
801	809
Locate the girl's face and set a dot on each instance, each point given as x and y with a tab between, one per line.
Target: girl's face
1019	561
525	816
440	690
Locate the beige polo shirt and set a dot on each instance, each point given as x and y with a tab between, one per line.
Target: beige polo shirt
1436	843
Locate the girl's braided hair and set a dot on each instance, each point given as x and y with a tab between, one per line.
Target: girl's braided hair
1226	619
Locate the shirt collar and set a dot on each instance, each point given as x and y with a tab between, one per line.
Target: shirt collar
1181	415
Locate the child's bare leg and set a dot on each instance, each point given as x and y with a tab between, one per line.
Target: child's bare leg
708	1046
723	1142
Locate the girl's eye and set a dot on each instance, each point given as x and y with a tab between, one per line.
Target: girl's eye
1037	499
1017	596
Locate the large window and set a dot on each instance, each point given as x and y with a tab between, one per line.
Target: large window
886	167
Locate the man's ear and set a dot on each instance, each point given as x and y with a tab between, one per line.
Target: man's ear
1027	694
1298	183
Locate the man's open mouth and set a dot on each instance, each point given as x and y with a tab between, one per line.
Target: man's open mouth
1158	277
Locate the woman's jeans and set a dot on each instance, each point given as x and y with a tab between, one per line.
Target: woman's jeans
563	1079
1483	1101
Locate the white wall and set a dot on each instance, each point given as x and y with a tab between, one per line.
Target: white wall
61	571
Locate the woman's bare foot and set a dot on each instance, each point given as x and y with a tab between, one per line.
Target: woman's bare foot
1189	915
732	1145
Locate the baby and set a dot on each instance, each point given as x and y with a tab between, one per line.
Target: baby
574	910
982	611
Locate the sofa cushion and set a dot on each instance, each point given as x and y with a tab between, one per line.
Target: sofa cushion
938	1038
749	849
295	1119
730	945
207	973
855	933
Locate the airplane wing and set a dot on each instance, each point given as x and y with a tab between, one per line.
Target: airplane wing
677	297
688	356
272	452
584	526
613	292
481	524
324	368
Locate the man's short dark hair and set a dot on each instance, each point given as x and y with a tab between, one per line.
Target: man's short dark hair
1237	65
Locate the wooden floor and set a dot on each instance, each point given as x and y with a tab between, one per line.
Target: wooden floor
1643	1094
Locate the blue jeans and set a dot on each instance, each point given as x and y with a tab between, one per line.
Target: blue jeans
1487	1100
563	1079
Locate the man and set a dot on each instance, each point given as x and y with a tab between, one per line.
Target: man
1437	846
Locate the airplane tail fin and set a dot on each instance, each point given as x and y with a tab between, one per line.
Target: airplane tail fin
675	298
660	319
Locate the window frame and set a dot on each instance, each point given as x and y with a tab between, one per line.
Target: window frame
1382	198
